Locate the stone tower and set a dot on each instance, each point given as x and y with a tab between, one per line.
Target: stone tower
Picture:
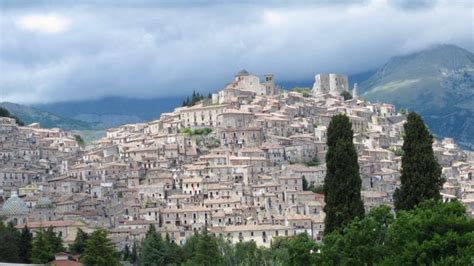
269	84
354	91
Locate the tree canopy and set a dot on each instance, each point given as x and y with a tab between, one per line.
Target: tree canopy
42	250
195	98
79	244
434	233
100	250
9	240
5	113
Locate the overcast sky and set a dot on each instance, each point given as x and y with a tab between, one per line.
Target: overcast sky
55	51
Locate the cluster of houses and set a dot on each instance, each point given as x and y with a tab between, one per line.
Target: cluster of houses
239	164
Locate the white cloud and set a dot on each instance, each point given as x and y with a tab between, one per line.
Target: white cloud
43	23
151	50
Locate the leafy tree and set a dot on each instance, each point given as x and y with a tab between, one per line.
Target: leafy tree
313	162
421	174
207	251
42	250
99	250
361	242
302	250
346	95
279	251
317	189
247	253
153	248
9	239
226	251
79	244
5	113
294	250
173	253
25	245
432	233
55	240
190	247
79	140
342	183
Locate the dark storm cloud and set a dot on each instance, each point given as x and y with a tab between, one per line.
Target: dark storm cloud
53	50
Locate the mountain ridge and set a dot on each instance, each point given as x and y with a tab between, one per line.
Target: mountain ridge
437	82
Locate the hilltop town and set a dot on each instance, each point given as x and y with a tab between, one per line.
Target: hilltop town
247	163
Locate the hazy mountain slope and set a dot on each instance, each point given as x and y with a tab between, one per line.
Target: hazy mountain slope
437	82
114	110
30	115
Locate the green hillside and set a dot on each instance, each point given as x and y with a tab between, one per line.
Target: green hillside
437	82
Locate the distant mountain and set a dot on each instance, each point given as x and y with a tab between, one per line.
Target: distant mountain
113	110
30	115
437	82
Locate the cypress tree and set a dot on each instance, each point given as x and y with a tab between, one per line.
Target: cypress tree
100	250
55	240
421	174
342	183
153	248
207	250
126	253
173	253
134	254
26	239
9	242
79	244
42	250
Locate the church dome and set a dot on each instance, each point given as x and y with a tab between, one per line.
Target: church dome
242	72
44	202
14	206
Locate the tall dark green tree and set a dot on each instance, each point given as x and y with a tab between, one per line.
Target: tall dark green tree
126	253
207	251
342	183
9	239
173	253
153	248
100	250
134	254
42	250
55	240
79	244
25	245
305	184
190	247
421	174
